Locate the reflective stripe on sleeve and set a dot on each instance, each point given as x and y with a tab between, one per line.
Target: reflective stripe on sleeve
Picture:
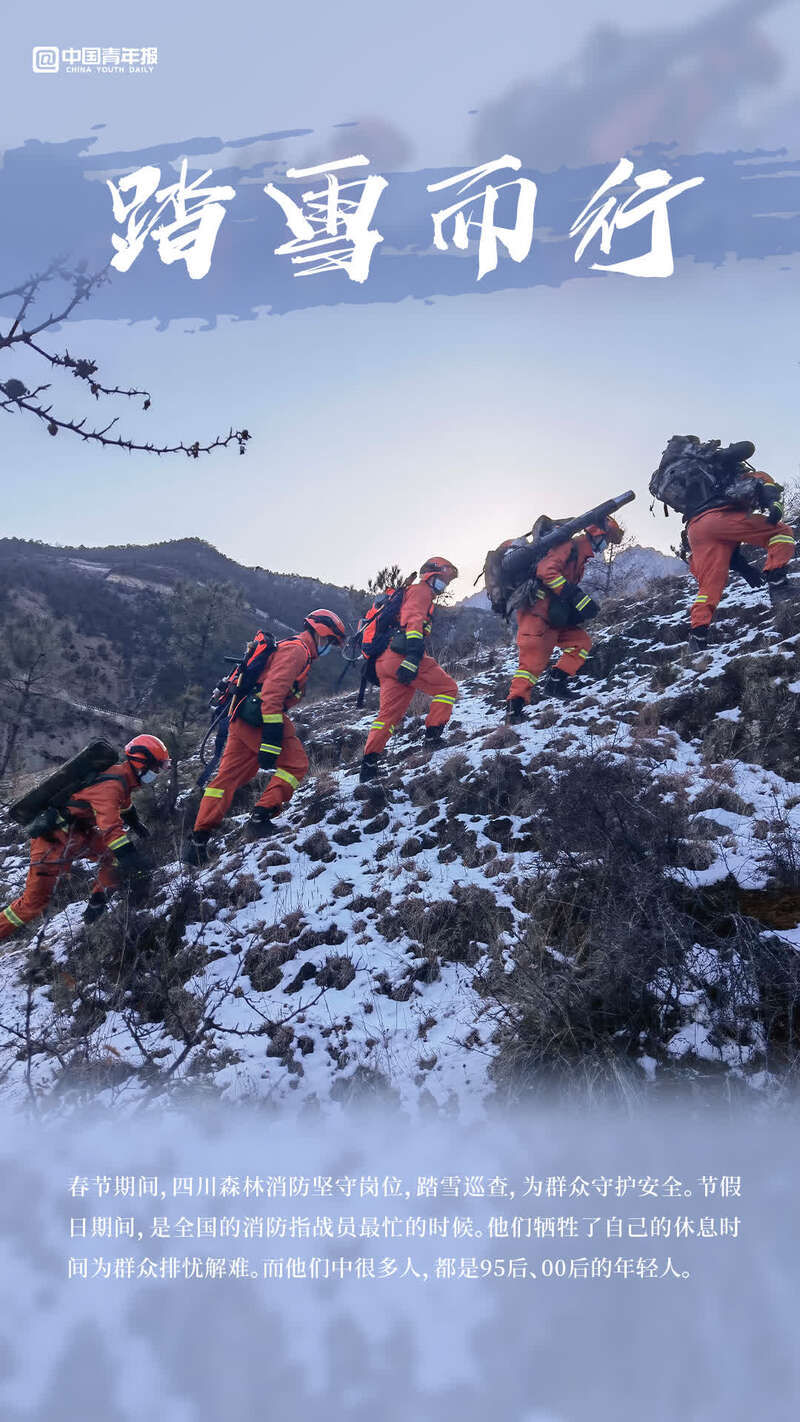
117	843
13	918
215	794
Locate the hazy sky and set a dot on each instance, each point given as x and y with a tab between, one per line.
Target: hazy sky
389	432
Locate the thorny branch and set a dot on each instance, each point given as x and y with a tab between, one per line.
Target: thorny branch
15	396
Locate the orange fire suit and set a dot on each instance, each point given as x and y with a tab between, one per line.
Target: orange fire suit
95	830
415	621
281	687
536	636
713	537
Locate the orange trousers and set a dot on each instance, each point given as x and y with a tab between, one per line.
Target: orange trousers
713	536
536	641
50	858
239	765
396	697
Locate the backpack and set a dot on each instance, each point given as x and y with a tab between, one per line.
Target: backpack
509	575
374	633
40	807
245	677
689	475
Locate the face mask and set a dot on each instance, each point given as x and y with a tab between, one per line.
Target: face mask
599	544
438	584
148	776
323	651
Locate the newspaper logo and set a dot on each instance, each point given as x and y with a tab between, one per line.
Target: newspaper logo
94	59
46	59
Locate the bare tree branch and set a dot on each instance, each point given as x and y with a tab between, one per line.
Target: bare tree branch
15	396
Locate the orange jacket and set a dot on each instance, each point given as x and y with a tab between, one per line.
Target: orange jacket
287	673
565	564
417	609
104	804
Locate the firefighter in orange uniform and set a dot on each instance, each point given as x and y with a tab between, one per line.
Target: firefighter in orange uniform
555	616
405	667
713	536
94	825
268	741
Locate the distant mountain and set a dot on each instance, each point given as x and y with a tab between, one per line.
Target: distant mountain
633	570
95	641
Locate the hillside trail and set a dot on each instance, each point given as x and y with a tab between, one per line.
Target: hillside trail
371	946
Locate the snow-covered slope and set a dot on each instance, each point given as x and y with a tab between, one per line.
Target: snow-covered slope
393	938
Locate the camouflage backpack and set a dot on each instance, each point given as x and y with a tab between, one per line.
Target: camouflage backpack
689	475
509	573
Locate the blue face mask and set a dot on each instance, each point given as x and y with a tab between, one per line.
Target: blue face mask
438	585
599	544
323	651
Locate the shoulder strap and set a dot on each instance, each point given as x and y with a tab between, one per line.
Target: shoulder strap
75	801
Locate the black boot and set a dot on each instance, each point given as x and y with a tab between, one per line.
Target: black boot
369	767
698	639
515	710
780	589
195	850
433	735
96	906
261	823
558	684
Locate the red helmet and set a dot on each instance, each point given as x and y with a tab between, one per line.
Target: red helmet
326	625
438	568
147	753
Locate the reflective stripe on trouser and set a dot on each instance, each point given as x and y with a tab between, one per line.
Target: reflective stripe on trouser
713	537
536	641
49	860
396	698
239	765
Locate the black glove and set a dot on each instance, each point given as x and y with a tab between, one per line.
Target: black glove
411	646
775	510
271	741
406	671
570	607
268	756
772	501
96	906
585	606
128	859
132	821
